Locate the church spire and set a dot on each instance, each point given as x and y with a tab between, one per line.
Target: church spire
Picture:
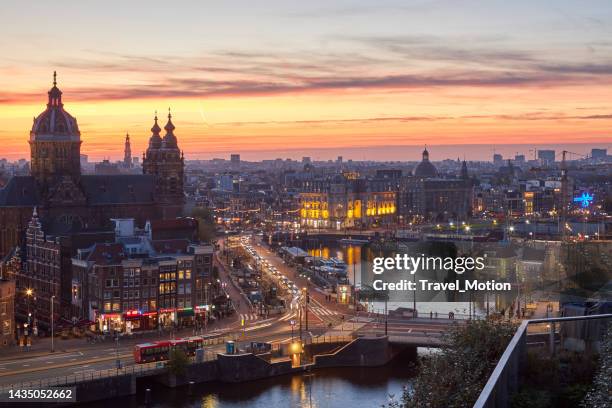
425	154
169	141
127	152
169	126
464	170
55	95
155	141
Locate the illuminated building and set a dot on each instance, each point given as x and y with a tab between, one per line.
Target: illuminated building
427	195
137	283
345	201
7	314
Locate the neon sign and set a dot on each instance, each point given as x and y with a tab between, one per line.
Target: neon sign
585	199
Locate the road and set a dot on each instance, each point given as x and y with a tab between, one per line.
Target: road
326	311
78	357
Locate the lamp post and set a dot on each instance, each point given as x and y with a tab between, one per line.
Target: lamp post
28	296
306	302
52	321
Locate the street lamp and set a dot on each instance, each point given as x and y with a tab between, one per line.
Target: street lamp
29	295
306	302
52	321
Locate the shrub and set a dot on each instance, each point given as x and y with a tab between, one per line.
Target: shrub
178	361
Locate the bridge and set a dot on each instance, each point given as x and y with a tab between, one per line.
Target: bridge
416	332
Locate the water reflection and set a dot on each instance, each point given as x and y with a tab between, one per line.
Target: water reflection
350	387
478	305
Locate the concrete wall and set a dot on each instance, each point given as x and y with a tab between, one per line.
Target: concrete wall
105	388
248	367
361	352
198	373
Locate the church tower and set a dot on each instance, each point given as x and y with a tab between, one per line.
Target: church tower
164	160
127	153
55	141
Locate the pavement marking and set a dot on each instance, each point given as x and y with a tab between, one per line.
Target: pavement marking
25	365
62	365
47	357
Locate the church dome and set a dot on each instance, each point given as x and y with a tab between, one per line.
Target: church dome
55	123
425	168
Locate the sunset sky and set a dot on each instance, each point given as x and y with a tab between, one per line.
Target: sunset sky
322	78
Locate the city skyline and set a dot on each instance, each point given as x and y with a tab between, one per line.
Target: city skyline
330	79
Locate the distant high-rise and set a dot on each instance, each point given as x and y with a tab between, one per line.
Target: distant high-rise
339	160
546	156
498	158
306	160
599	154
235	159
519	158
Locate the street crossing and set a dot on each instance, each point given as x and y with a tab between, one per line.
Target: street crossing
248	317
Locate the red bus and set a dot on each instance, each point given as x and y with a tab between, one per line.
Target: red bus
160	350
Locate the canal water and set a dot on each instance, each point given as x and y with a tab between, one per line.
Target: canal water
326	388
352	256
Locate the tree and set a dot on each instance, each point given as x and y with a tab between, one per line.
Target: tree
600	393
178	361
206	223
455	376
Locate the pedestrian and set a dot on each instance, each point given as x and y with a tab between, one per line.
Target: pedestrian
431	314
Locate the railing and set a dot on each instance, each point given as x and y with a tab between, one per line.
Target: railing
329	339
505	377
136	369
